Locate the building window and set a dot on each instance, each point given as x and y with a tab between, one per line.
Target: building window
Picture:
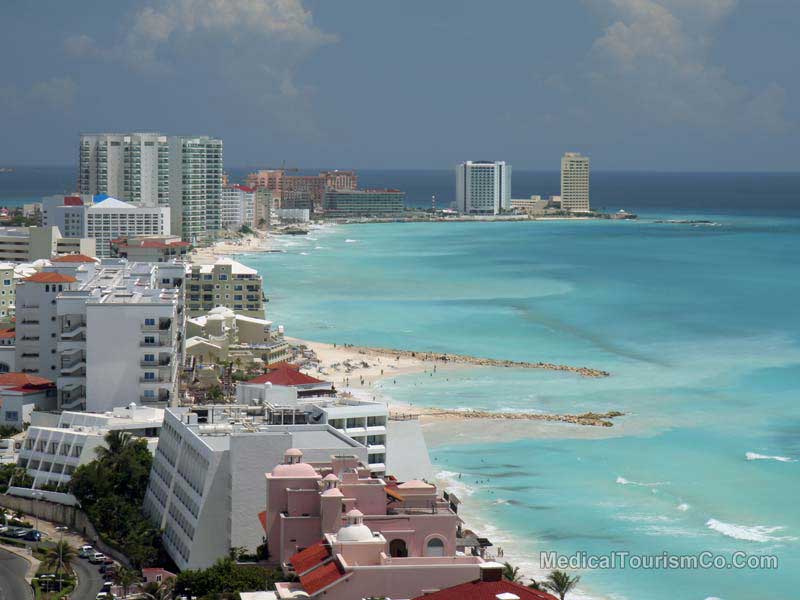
12	415
434	547
150	376
149	322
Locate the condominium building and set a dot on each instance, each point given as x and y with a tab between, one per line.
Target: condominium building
131	166
364	203
56	444
222	336
110	219
237	206
195	184
265	202
108	332
26	244
575	182
292	397
21	394
340	180
150	248
266	179
209	468
225	283
8	290
483	187
183	173
103	219
302	191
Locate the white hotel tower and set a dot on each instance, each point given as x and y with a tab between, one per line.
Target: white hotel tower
483	187
575	182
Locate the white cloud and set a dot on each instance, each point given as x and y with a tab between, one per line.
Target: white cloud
655	55
56	93
252	47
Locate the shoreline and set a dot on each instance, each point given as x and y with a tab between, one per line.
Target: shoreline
360	368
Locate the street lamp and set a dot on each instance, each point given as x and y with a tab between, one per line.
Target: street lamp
60	529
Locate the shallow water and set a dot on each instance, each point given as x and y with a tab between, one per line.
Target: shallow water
697	324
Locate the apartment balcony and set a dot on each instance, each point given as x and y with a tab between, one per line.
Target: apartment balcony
377	467
376	429
159	379
159	363
375	448
161	341
74	369
162	397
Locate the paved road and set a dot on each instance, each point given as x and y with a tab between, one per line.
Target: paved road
90	580
12	577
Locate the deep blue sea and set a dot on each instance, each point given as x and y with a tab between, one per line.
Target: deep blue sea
698	325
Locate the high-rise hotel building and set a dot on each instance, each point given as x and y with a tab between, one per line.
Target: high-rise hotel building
131	167
575	182
483	187
150	169
195	186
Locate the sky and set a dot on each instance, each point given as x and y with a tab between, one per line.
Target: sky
668	85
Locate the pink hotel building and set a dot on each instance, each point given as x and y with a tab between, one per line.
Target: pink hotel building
348	535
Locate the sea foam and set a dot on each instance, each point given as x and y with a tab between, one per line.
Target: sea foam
752	533
349	241
756	456
623	481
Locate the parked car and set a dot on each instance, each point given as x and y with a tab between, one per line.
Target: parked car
32	535
97	558
16	532
85	551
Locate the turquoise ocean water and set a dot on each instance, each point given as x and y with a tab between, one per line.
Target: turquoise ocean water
698	325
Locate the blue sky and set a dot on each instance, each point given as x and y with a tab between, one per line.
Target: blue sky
636	84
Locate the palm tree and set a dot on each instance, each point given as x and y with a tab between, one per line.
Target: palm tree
60	555
125	578
511	572
160	591
116	442
535	585
561	583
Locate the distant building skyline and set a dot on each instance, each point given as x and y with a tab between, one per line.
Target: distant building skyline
575	182
483	187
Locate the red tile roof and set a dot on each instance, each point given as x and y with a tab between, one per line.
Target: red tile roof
74	258
486	590
244	188
50	277
73	201
321	578
311	557
285	374
22	382
7	333
262	516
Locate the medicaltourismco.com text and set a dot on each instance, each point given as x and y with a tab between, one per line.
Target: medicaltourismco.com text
621	559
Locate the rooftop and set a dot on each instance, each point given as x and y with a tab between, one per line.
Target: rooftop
50	277
488	590
73	258
285	374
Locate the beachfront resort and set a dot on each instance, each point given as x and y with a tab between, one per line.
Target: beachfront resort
132	332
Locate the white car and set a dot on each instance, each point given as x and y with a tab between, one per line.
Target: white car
85	551
97	558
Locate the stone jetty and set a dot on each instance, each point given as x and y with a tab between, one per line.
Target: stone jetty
464	359
588	419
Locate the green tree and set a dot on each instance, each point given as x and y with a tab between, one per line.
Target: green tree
225	577
58	557
111	491
560	583
511	572
125	578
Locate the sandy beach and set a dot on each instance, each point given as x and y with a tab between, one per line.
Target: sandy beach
250	243
357	370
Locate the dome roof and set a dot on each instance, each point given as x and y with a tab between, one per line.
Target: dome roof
354	513
354	533
294	470
293	452
330	477
222	310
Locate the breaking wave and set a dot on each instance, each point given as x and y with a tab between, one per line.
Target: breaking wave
753	533
756	456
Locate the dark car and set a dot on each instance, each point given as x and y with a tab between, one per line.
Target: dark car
32	535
